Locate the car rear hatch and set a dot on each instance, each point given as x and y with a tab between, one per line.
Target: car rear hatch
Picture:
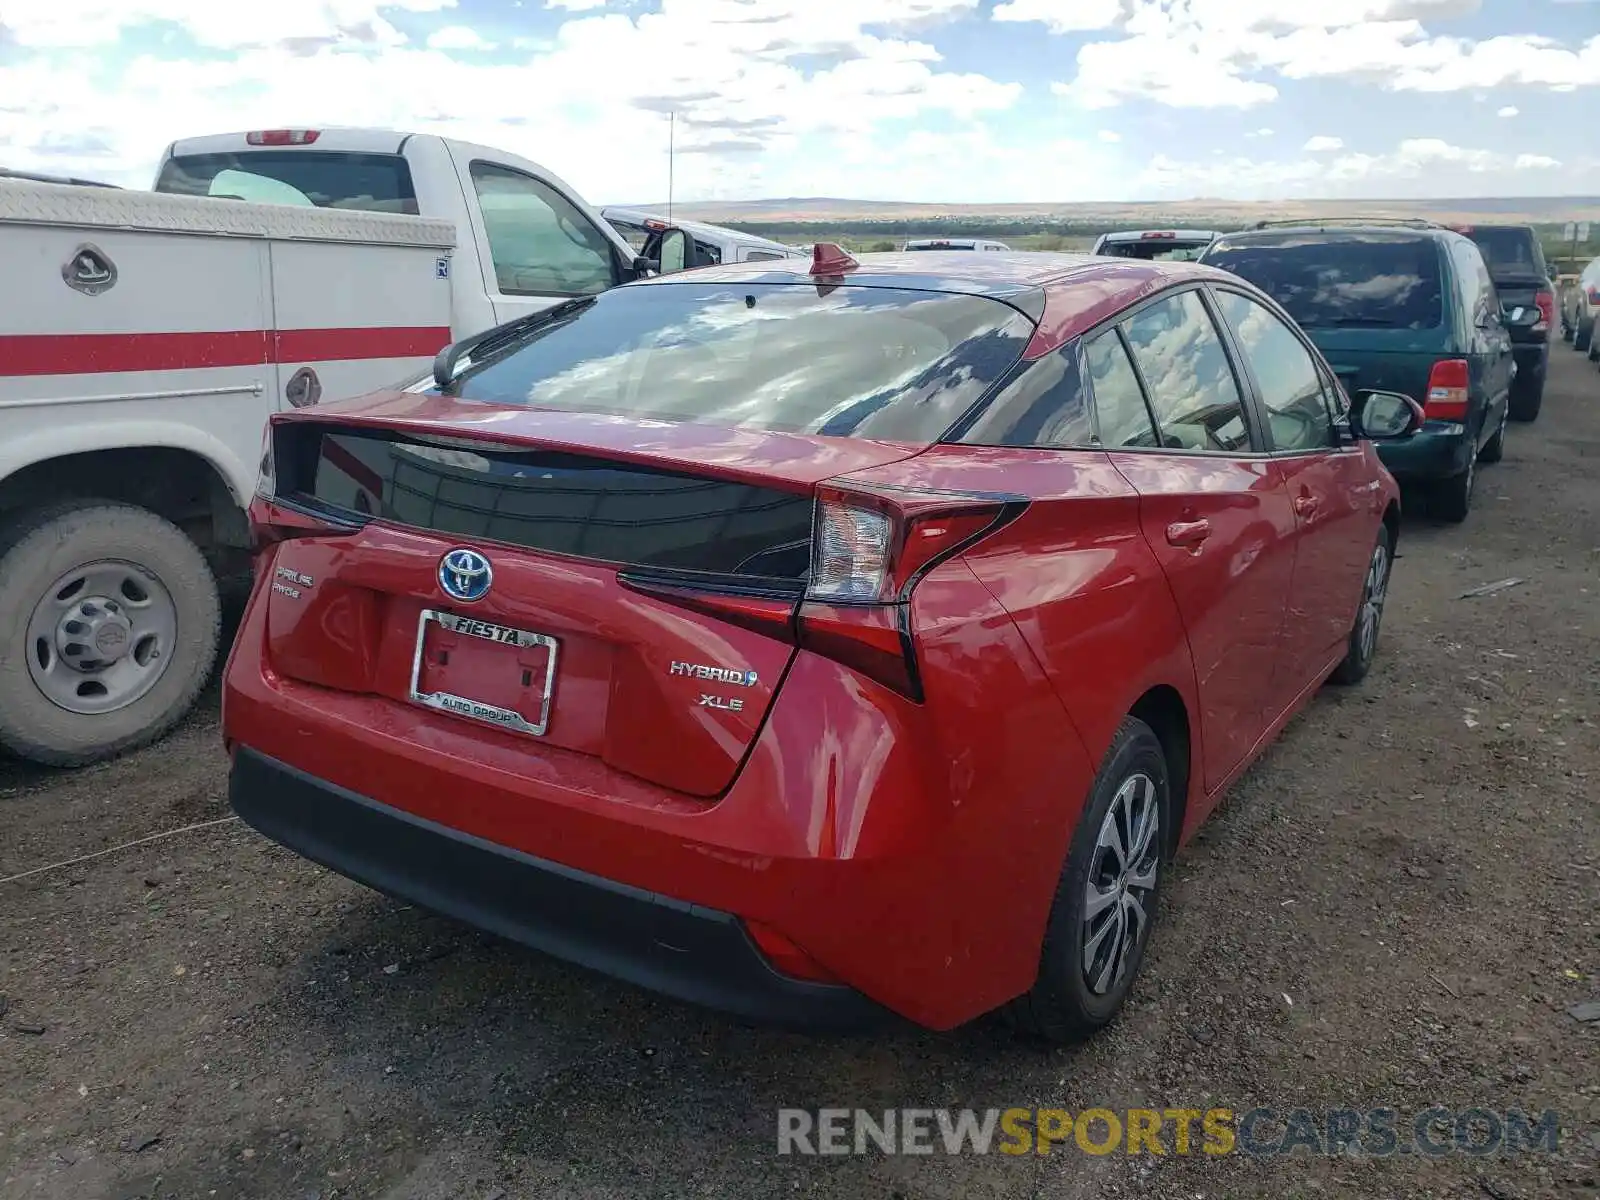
598	583
1373	300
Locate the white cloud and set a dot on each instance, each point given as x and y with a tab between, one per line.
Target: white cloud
1509	110
747	80
1265	131
1110	135
1536	162
1224	53
457	37
1322	143
1062	16
215	23
575	5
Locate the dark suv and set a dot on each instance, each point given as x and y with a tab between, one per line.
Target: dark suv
1403	306
1527	305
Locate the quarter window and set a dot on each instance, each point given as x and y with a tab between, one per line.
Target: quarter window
1191	385
541	244
1286	374
1043	406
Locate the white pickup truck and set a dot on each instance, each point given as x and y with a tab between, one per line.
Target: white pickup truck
145	338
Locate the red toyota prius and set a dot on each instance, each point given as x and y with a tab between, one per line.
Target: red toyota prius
814	640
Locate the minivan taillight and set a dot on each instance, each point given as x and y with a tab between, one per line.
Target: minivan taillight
1447	391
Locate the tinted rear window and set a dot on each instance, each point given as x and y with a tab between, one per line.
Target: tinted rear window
795	358
307	178
1377	280
1510	252
1163	249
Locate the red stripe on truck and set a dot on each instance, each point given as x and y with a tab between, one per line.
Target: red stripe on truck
104	353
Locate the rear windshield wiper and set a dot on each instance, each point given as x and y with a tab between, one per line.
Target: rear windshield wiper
1377	322
481	345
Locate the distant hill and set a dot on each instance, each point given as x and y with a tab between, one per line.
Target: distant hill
825	210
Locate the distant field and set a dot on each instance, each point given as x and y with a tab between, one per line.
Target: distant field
880	225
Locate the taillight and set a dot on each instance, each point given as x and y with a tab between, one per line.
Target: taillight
1546	300
282	137
868	551
266	474
1447	391
1593	292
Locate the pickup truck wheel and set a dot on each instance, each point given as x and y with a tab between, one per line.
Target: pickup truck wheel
109	626
1451	498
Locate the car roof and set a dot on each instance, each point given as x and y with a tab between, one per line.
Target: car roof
1338	229
1080	290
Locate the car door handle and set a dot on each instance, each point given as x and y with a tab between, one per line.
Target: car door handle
1188	534
1306	506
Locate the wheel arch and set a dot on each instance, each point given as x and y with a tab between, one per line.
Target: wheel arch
1162	707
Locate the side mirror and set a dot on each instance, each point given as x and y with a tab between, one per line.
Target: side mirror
675	252
1384	416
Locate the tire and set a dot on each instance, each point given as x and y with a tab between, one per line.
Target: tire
1495	448
1451	499
1526	402
1583	336
151	679
1363	644
1063	1005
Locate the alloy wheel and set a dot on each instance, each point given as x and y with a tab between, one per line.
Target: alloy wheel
1122	881
1372	598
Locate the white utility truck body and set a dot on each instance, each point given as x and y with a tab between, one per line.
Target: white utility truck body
145	337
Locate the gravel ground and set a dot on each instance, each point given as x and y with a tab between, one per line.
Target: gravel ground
1397	907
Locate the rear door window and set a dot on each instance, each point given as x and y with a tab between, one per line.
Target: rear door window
1382	279
315	178
1192	390
1287	378
1044	406
1119	405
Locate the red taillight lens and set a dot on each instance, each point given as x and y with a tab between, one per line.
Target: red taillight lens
282	137
1447	390
1593	293
1547	309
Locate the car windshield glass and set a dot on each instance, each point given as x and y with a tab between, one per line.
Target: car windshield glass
843	361
319	178
1509	252
1378	279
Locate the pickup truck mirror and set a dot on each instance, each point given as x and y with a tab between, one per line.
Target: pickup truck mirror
671	250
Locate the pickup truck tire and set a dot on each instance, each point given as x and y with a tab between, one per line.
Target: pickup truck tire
144	602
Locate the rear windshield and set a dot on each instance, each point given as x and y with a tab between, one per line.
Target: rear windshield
843	361
941	246
1510	252
1163	249
308	178
1377	280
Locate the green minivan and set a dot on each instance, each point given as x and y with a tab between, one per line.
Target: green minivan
1405	306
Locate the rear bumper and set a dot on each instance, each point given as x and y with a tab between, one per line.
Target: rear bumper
1433	452
683	950
908	850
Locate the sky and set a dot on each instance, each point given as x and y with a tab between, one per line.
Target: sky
943	101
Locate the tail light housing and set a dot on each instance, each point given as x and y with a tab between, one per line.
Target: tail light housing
1593	292
1447	391
1546	300
282	137
869	551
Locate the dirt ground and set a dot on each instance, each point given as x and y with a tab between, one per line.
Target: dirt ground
1397	907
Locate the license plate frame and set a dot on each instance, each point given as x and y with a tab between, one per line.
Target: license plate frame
477	710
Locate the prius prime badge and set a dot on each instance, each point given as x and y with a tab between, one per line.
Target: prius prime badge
465	574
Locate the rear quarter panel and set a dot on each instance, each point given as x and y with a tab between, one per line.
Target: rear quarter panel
1082	585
